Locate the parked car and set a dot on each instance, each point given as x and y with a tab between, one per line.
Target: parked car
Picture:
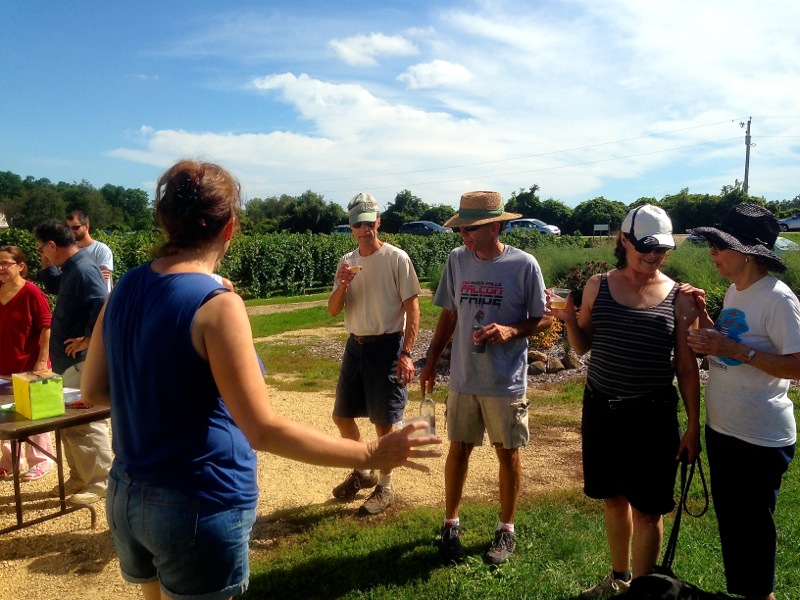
783	244
423	228
695	239
341	230
532	225
788	223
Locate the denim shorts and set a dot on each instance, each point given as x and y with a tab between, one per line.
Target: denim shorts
191	548
368	384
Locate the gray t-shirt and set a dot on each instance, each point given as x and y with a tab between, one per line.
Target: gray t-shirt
505	290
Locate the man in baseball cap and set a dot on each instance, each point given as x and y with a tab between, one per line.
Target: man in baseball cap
378	289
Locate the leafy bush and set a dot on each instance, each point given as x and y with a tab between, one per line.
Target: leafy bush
577	276
557	261
25	241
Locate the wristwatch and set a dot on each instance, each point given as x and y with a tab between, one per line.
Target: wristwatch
750	356
406	352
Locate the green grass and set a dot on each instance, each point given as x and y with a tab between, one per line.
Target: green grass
293	320
291	368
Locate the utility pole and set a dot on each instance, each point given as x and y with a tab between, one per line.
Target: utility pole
747	153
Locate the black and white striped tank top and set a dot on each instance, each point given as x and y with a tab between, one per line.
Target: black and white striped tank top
631	347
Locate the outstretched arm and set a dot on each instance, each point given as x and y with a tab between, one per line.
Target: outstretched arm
221	333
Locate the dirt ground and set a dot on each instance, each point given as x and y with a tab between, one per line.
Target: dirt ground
65	559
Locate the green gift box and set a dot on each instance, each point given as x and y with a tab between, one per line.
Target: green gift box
38	394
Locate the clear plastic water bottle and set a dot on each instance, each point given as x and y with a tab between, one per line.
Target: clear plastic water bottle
427	409
478	347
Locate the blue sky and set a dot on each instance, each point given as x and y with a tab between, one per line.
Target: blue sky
585	98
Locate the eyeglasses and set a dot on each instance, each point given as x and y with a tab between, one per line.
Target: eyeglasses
7	265
42	247
75	227
367	224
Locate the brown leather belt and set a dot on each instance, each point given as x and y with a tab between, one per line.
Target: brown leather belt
368	339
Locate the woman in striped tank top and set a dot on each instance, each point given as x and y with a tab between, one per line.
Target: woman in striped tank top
635	323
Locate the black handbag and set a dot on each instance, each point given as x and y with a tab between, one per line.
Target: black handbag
661	583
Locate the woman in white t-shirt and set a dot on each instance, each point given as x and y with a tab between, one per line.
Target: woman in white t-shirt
754	353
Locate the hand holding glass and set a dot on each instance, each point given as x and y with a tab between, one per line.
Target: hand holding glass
353	265
559	297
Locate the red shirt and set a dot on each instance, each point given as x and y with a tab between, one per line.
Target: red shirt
21	322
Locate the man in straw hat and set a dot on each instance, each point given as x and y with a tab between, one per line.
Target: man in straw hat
378	289
492	298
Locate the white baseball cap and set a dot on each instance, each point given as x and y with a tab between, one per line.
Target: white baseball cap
648	227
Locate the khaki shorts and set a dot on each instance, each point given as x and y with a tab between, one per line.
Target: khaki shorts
504	418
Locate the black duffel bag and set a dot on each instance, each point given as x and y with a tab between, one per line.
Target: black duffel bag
661	584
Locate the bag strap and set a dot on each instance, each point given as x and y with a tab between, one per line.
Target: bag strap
686	482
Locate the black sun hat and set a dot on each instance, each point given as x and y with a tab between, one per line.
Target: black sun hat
747	228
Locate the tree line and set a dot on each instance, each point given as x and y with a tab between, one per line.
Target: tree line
27	202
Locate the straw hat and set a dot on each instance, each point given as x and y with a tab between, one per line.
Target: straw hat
479	208
747	228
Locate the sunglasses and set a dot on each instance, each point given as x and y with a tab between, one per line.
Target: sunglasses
641	249
367	224
75	227
468	228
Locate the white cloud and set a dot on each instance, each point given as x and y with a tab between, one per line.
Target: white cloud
363	50
569	96
437	73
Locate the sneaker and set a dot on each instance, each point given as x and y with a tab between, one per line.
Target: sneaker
355	481
378	501
502	547
608	588
34	473
450	547
84	498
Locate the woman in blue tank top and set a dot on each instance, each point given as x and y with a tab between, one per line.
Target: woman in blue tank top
173	355
636	325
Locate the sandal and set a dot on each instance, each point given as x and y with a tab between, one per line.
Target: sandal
34	473
5	473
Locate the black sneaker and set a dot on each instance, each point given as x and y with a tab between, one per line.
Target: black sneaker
502	547
355	481
450	547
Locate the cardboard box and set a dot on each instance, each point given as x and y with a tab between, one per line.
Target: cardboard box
38	394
